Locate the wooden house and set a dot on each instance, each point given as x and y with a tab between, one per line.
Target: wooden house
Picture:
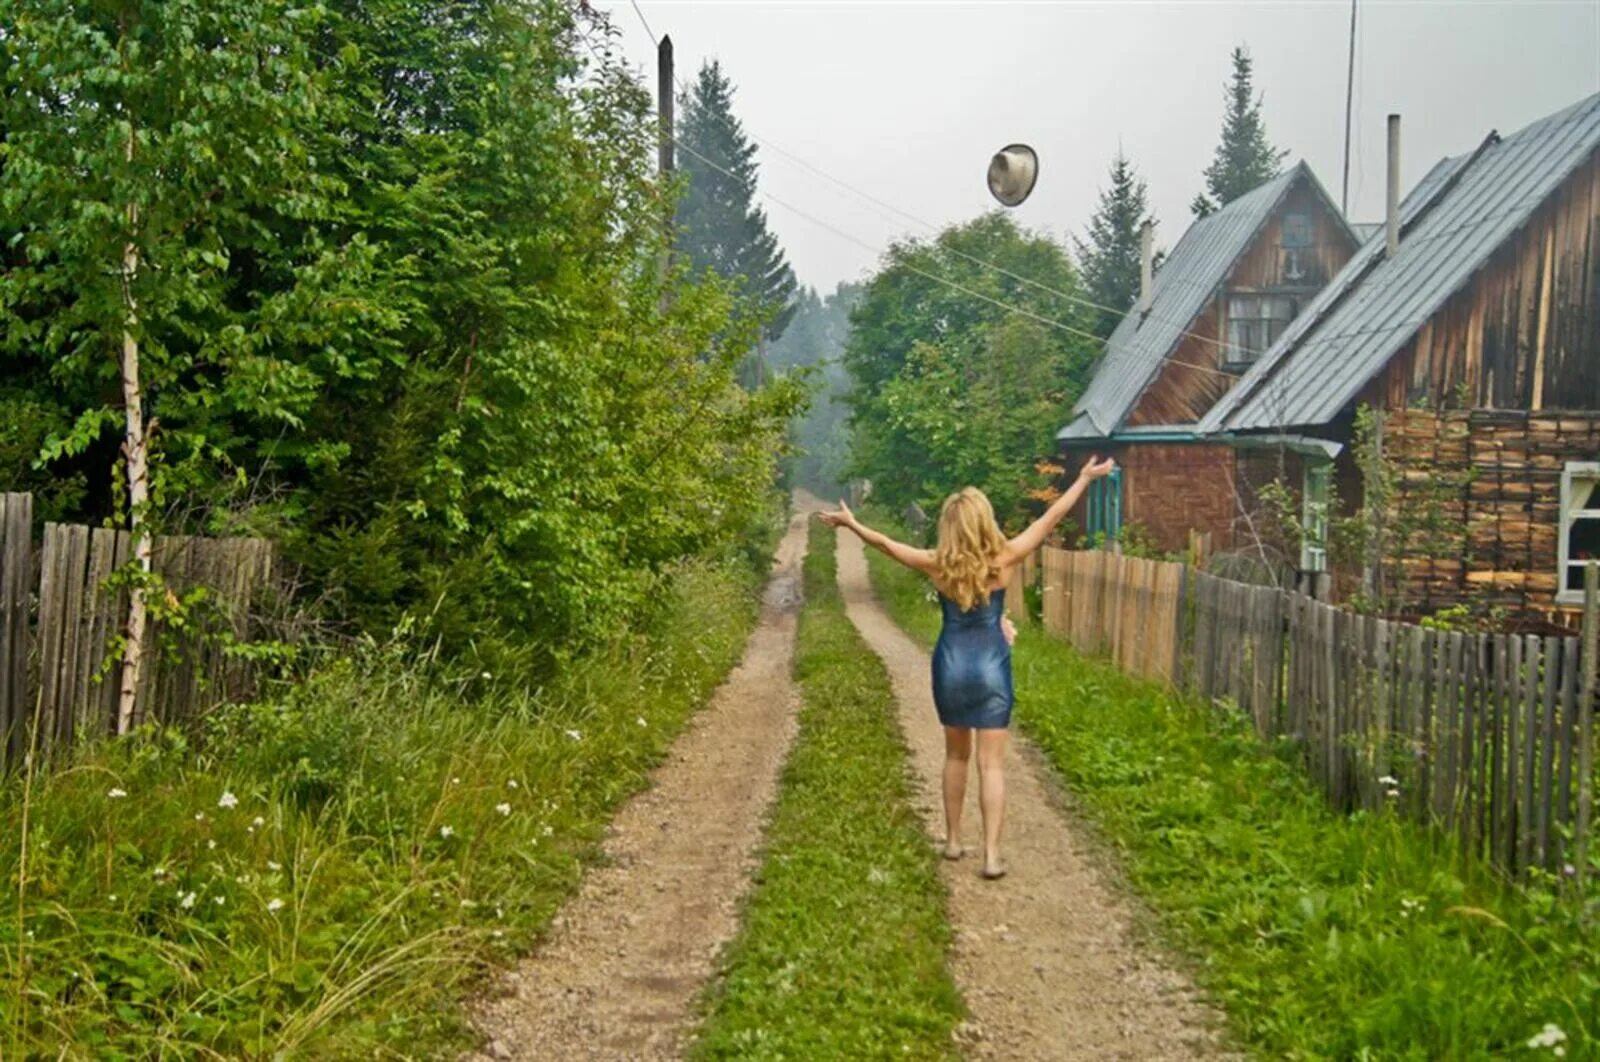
1473	337
1226	293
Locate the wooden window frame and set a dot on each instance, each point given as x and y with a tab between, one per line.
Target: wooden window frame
1580	470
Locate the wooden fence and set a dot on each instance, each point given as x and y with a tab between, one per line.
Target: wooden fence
1482	735
62	616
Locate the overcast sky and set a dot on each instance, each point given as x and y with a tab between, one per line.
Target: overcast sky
908	100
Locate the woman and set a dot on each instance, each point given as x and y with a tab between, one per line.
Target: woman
972	660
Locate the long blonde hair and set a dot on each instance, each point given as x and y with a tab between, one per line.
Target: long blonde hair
966	560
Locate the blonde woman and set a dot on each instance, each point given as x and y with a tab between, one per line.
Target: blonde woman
972	660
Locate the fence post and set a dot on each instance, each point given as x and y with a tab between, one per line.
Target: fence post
1591	627
16	577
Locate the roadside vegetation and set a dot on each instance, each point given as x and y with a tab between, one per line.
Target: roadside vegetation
1322	935
324	873
842	953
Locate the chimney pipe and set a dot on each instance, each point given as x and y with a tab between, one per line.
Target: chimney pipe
1146	265
1392	217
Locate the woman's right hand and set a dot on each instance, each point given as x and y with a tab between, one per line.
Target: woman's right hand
1096	468
841	517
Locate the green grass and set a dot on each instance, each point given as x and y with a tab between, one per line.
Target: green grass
390	832
842	952
1322	935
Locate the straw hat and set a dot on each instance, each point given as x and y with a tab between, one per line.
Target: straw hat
1012	172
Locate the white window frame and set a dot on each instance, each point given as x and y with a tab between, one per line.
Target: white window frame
1573	470
1314	516
1240	351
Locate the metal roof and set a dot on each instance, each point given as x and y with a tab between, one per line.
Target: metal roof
1181	289
1462	212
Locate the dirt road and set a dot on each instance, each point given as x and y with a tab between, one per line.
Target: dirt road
619	973
1044	957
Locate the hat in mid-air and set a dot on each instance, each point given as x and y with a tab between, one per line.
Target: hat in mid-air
1012	172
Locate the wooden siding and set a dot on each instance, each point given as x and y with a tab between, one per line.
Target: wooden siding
1511	507
1525	333
1191	381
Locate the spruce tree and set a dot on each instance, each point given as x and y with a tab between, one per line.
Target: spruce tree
720	227
1110	256
1245	157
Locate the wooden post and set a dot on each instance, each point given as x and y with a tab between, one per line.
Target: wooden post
666	157
1376	502
1591	634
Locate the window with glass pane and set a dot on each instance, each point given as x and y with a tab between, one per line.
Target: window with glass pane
1580	527
1254	323
1314	522
1105	506
1297	230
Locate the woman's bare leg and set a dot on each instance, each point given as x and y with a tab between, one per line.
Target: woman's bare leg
992	795
957	765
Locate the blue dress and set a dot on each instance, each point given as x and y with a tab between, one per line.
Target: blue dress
972	666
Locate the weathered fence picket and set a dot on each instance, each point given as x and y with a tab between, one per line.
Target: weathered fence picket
58	656
1479	734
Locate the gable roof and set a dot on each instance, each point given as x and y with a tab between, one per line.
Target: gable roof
1182	287
1464	210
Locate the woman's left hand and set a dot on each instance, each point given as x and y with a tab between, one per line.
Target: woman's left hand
1008	629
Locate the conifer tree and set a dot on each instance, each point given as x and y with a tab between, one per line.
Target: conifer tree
1245	157
720	226
1110	256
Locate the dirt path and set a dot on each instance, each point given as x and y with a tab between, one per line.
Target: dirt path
1045	957
618	976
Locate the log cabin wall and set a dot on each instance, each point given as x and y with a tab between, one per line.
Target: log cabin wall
1510	506
1192	380
1525	333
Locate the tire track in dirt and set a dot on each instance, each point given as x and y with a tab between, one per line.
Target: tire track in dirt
1045	957
619	973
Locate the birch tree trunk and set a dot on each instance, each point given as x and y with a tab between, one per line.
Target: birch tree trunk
135	451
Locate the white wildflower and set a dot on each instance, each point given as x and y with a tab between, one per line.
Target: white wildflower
1392	794
257	822
187	901
199	816
497	934
467	905
548	830
228	800
116	794
486	676
160	872
1389	780
220	900
274	904
504	809
511	783
112	898
447	831
642	722
575	735
455	781
274	866
211	845
1550	1036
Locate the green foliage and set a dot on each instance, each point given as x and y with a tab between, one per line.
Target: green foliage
399	825
1322	935
953	390
1245	158
1110	256
720	226
398	308
842	954
814	343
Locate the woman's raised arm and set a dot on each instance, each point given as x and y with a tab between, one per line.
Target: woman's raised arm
917	559
1040	529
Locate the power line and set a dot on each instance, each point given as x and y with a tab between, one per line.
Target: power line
1079	300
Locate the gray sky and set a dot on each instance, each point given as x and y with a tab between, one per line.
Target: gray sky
908	100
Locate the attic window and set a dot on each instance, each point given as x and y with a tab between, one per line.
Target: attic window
1580	527
1254	323
1296	230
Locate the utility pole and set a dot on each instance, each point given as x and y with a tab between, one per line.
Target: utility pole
1349	95
666	158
